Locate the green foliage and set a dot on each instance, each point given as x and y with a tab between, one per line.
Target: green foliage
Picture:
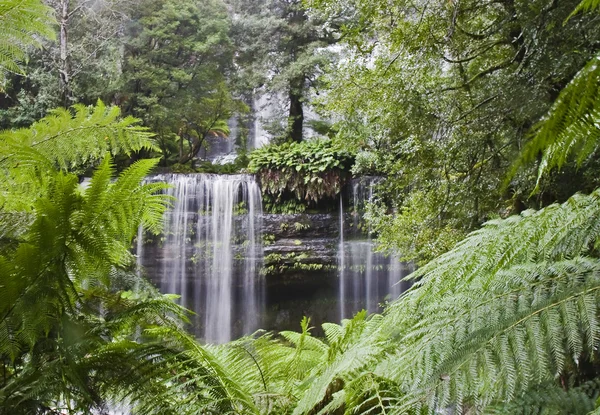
311	170
498	320
443	104
278	264
525	284
505	322
23	23
70	139
238	166
550	399
279	371
82	63
415	231
178	53
288	207
78	329
572	126
586	5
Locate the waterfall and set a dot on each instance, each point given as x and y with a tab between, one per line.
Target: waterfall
342	263
210	252
366	277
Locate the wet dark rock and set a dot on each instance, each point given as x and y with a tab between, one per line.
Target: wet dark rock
300	248
320	225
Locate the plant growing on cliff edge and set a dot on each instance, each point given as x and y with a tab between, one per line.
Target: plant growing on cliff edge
310	170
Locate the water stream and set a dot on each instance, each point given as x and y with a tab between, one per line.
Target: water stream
366	278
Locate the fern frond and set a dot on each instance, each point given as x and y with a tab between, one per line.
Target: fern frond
508	308
585	6
364	349
572	127
207	385
22	22
70	140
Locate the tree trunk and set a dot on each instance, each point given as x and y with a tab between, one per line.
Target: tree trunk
296	114
66	93
195	146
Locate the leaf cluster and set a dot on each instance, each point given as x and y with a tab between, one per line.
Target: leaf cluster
440	97
23	23
310	170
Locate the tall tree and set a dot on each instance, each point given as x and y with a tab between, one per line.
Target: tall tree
178	56
82	64
282	48
88	56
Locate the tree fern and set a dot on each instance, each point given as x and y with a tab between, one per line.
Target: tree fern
61	140
72	139
573	125
79	330
58	279
511	306
362	347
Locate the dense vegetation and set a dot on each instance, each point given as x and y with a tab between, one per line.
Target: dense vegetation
305	173
473	112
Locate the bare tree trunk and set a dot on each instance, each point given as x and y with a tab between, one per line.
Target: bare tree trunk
65	64
296	113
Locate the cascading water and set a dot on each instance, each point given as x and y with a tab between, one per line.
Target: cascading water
211	251
342	263
366	277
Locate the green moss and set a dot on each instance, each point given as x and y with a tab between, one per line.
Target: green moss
282	263
268	239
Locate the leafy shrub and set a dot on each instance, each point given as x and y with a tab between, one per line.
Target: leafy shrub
310	170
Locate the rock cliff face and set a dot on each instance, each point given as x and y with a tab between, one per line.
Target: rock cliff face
293	244
300	268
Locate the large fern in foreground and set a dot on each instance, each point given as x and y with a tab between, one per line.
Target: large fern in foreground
77	332
66	140
78	328
513	307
